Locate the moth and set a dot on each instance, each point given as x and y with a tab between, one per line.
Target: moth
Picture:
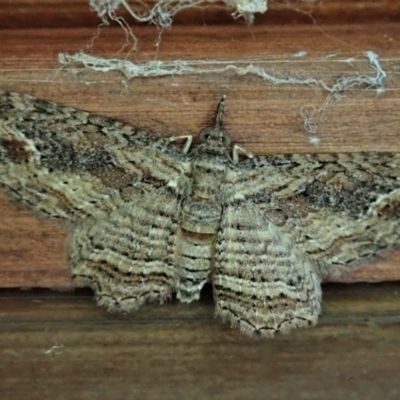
150	220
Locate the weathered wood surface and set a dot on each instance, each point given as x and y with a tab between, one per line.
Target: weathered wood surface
77	13
62	346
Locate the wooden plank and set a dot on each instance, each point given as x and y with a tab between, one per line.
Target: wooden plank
22	14
261	117
57	345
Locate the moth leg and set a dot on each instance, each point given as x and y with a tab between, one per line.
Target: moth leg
188	142
235	153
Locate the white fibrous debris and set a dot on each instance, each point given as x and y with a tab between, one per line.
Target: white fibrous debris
247	8
104	7
161	14
156	68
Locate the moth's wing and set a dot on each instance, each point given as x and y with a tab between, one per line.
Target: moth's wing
126	257
262	283
69	163
340	209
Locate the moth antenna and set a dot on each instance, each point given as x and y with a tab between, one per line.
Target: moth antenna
220	113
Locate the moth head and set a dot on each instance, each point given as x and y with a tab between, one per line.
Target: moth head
215	136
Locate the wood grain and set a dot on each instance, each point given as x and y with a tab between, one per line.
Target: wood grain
261	117
60	345
77	13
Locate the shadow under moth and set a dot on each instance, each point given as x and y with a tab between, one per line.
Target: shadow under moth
149	220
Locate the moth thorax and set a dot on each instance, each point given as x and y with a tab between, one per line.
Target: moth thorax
208	173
